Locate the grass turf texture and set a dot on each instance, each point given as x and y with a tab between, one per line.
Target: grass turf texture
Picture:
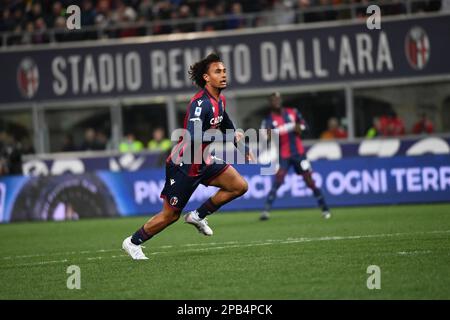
294	255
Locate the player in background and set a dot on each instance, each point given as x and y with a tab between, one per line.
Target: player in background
206	110
289	124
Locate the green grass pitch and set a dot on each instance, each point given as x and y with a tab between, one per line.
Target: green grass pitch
295	255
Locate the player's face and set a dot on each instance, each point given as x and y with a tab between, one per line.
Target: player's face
217	75
275	102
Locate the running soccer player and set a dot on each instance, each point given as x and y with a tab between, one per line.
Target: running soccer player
289	124
206	110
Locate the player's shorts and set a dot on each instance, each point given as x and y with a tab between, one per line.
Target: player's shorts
179	187
299	162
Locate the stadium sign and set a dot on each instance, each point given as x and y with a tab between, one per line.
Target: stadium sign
294	56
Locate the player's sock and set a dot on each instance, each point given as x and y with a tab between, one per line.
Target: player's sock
207	208
140	236
270	199
320	199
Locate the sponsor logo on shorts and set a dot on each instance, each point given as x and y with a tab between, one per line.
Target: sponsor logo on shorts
173	201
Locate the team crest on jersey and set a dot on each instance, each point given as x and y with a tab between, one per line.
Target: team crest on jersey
28	77
417	48
173	201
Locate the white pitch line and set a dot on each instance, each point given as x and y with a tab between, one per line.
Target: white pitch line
235	244
406	253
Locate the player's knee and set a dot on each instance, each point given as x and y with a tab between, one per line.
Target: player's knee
241	188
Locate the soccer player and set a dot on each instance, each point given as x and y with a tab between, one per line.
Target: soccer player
206	110
289	124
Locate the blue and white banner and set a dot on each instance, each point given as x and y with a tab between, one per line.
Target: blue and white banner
348	182
331	150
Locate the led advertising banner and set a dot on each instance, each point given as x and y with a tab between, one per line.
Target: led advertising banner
347	182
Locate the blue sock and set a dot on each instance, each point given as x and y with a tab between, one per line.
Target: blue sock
320	200
140	236
207	208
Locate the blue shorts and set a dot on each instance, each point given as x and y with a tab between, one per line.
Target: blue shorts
299	162
179	187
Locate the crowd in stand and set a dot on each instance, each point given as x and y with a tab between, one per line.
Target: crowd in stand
28	21
391	125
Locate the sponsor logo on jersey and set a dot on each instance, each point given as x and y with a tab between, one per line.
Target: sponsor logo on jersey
216	120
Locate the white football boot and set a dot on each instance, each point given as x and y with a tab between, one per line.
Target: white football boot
265	215
201	224
134	251
326	214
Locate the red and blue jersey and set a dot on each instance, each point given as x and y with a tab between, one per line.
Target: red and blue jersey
284	122
203	111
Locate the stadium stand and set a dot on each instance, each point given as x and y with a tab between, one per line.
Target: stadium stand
35	22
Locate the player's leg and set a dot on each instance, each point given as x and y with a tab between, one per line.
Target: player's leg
160	221
303	167
277	182
157	223
176	193
232	185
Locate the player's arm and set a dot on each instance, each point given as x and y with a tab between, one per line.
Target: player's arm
266	129
298	126
238	142
300	123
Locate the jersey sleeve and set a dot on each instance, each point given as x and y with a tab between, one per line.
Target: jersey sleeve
197	118
226	123
267	124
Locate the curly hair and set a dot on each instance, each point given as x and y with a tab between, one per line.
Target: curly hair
198	69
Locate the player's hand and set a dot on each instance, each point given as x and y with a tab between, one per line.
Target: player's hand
251	157
238	135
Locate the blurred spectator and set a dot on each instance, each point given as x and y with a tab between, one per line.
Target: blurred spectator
103	141
391	125
90	142
160	144
334	131
61	34
374	131
283	13
397	126
235	21
11	151
130	144
68	143
88	13
423	125
40	34
57	11
159	141
7	21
